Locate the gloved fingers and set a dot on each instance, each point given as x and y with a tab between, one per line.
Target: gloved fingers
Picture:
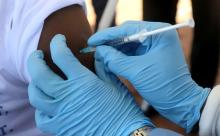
108	53
64	58
113	33
106	75
41	101
42	76
43	122
115	61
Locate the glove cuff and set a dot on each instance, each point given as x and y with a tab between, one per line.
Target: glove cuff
209	124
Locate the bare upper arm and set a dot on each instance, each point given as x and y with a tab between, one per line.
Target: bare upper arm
72	22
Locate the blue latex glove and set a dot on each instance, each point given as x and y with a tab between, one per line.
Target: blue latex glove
83	104
156	68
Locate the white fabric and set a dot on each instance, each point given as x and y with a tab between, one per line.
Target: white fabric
209	124
108	14
21	23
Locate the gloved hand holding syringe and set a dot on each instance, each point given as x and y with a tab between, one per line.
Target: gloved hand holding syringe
157	69
141	36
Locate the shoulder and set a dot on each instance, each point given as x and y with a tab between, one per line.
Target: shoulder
27	21
72	22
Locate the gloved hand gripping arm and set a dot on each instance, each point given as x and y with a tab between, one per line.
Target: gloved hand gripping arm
83	104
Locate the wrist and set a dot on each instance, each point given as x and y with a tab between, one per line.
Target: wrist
195	128
129	121
210	117
195	106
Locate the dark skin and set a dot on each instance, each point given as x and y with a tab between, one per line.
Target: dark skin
72	22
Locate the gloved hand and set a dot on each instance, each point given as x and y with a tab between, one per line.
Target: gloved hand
83	104
156	68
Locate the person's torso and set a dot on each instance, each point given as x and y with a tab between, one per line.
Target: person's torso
16	113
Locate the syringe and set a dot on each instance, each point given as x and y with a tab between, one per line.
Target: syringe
140	36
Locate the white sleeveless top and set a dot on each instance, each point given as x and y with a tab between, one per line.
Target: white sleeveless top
21	23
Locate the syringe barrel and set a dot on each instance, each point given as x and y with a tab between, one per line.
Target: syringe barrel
115	42
139	36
